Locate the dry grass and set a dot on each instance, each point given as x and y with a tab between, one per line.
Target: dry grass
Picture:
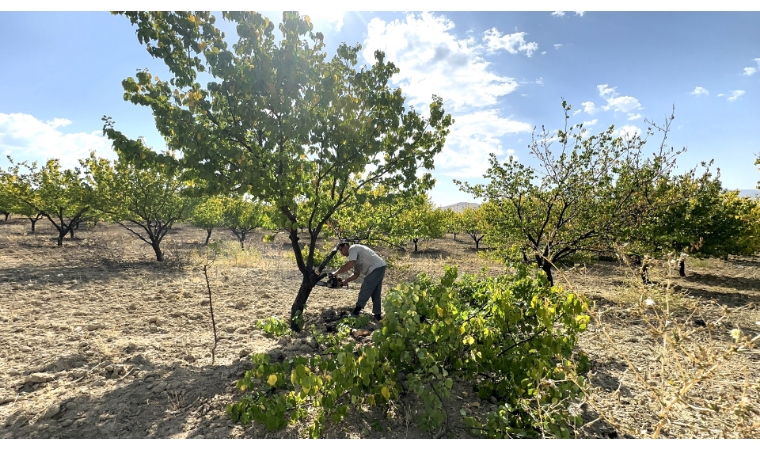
665	361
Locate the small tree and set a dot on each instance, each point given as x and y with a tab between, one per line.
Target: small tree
580	198
473	222
208	214
7	200
419	220
30	213
61	196
145	201
241	216
451	221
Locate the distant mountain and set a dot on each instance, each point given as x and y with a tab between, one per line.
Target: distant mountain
459	207
749	192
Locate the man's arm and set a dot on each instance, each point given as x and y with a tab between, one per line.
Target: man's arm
345	268
352	277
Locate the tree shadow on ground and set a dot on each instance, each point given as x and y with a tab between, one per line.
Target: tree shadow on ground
745	261
97	272
429	253
738	283
730	299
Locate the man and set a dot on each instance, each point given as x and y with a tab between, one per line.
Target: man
364	261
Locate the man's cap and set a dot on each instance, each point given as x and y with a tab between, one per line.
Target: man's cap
343	242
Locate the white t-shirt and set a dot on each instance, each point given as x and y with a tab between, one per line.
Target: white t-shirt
365	259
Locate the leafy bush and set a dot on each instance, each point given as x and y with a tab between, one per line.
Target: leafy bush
274	326
511	337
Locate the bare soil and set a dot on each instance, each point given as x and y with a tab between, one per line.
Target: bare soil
99	340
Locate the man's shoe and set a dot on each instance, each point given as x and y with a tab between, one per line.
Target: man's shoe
378	317
356	311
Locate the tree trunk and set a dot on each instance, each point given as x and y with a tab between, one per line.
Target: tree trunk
61	234
242	241
6	214
296	311
157	249
682	268
547	268
208	235
455	236
71	231
415	245
34	222
645	273
477	244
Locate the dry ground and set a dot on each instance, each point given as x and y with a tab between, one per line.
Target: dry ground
99	340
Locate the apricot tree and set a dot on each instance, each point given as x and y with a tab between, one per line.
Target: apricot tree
279	120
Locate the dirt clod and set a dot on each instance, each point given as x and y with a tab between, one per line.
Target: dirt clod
38	378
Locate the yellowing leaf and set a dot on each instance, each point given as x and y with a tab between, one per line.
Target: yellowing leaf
386	392
272	380
439	310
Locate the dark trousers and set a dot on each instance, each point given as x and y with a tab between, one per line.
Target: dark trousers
372	286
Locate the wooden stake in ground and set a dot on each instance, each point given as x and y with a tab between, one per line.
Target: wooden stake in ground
213	322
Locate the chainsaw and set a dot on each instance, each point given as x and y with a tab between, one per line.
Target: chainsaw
332	282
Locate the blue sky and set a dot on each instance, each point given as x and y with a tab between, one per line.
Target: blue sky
500	73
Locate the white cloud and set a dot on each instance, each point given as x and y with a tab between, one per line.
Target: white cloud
472	138
628	131
557	46
589	107
576	112
721	95
540	81
562	13
513	43
26	138
543	52
616	102
735	94
632	116
333	19
434	61
605	90
751	70
57	123
699	90
590	122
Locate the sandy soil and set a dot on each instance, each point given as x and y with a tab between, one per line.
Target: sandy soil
99	340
